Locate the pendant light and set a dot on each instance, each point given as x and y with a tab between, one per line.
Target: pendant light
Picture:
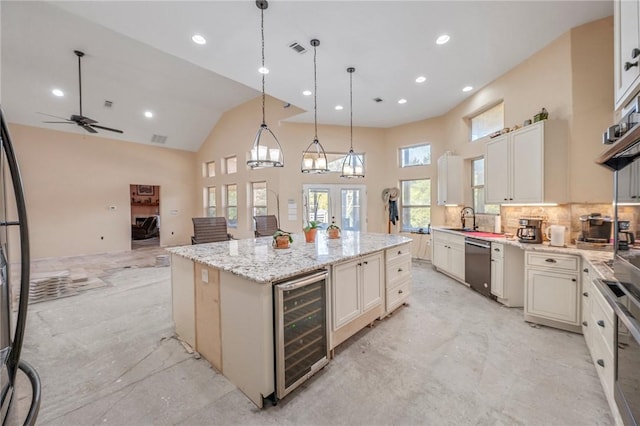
266	150
314	159
352	166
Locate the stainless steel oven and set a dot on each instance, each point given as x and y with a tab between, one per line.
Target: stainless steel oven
302	331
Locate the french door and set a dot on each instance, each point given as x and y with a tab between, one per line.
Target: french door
346	204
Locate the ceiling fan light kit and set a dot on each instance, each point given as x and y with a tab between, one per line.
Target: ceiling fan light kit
314	159
352	166
88	124
266	150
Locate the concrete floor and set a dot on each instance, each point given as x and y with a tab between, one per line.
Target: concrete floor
452	357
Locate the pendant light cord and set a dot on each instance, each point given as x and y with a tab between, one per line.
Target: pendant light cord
315	94
351	107
264	122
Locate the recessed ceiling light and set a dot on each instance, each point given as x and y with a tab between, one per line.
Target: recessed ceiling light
148	114
57	92
443	39
339	107
198	39
402	101
307	93
467	88
421	79
263	70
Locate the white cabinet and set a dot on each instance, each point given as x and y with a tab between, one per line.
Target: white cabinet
626	50
398	276
527	165
450	176
448	253
552	288
357	292
507	271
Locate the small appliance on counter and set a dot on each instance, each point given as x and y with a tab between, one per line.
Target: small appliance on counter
530	231
555	235
625	237
596	228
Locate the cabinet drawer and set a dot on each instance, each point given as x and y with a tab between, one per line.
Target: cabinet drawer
393	253
601	320
497	251
398	271
553	260
397	295
603	362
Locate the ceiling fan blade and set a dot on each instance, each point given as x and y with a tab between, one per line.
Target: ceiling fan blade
54	116
60	122
82	120
89	129
107	128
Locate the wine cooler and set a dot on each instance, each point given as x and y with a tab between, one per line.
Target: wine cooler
302	339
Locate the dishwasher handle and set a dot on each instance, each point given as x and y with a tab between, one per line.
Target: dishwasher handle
478	244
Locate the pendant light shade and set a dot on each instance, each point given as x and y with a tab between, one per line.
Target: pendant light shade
352	166
266	150
314	159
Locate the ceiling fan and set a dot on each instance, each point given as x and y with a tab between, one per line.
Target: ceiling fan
86	123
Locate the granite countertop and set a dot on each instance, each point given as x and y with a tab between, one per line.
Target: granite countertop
255	259
596	258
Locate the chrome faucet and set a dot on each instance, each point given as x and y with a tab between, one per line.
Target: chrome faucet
463	216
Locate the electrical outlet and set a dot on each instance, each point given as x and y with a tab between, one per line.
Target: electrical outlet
205	275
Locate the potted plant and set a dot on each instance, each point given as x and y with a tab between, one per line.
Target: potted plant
281	239
310	231
333	230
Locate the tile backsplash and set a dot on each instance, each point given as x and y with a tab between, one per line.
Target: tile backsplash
567	215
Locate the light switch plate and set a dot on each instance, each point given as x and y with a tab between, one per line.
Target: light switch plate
205	276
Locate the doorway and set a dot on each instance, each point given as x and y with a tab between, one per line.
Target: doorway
346	204
145	216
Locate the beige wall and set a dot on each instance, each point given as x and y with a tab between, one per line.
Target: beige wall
72	180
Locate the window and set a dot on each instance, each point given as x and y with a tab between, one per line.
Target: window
232	205
416	204
210	169
335	160
477	189
418	155
210	202
231	165
258	198
487	122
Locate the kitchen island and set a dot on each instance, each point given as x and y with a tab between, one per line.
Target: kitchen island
223	295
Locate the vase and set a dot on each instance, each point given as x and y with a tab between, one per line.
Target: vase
333	233
281	242
310	235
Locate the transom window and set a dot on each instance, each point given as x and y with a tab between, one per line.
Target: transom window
416	204
258	198
210	169
210	201
417	155
231	165
477	189
231	197
487	122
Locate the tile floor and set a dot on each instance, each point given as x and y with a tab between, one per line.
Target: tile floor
451	357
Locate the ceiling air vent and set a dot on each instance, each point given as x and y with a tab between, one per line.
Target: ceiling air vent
297	47
158	139
377	100
108	104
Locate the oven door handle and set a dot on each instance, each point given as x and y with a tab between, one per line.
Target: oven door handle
629	320
301	282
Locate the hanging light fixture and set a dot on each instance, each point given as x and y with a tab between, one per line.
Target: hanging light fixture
314	159
266	150
352	166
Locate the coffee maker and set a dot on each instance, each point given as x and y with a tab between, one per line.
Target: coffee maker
530	231
625	237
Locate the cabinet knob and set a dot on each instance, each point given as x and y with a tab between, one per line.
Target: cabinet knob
510	199
399	269
586	270
551	260
601	323
400	291
635	52
506	199
496	249
585	323
359	264
399	252
585	294
629	65
633	196
365	262
574	280
600	362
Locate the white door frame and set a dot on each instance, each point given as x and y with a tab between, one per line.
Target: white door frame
335	199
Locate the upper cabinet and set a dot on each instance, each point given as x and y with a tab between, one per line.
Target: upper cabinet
626	51
528	165
450	189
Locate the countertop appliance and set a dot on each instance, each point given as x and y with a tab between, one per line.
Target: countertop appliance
302	330
625	237
11	346
477	265
530	231
595	228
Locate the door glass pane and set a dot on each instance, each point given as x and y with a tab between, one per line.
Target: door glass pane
350	203
319	206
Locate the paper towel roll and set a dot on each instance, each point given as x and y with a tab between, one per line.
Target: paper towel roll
497	225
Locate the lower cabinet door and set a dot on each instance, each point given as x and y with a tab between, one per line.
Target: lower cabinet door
497	277
552	295
346	293
456	262
372	274
440	253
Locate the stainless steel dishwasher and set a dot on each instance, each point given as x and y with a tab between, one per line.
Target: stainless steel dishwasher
477	265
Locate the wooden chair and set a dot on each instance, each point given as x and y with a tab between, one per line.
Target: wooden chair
266	226
209	230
